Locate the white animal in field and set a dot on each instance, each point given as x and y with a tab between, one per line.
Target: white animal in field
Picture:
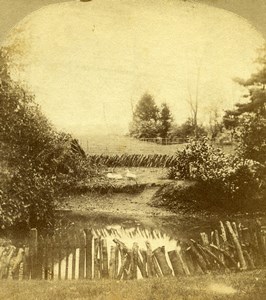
130	175
113	175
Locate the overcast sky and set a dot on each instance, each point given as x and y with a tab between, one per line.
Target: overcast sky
12	11
88	62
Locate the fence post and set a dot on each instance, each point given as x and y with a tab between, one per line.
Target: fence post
89	237
105	259
82	245
67	246
237	246
74	246
160	256
26	263
33	244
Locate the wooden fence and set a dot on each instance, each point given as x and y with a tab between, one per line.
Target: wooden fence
165	141
134	160
232	247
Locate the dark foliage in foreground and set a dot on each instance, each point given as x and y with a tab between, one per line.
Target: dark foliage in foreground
38	163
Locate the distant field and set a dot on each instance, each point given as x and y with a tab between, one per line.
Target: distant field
119	144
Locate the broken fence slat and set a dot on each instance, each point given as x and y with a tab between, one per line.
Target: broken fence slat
241	258
81	263
159	253
88	253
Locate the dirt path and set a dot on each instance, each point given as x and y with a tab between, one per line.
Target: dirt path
119	204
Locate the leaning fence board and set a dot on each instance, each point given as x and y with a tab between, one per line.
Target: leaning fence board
233	247
156	267
135	261
242	261
18	259
53	245
144	262
231	261
73	251
67	252
33	244
89	237
122	267
150	264
127	267
200	250
197	257
176	263
59	256
105	259
116	261
161	258
47	246
81	264
5	262
96	259
112	263
261	245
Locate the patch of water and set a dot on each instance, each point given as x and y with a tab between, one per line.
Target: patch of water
127	236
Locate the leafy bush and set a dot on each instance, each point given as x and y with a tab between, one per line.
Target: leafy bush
251	137
41	163
149	121
229	180
187	130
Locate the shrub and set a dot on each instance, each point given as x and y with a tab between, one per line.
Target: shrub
231	180
41	163
187	130
251	137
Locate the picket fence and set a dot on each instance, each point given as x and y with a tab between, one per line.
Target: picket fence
86	255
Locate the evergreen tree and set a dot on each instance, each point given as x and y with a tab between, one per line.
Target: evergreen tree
145	122
248	119
146	109
166	120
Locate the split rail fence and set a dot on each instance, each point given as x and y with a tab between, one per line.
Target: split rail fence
232	247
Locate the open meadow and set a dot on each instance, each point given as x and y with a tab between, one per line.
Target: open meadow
119	144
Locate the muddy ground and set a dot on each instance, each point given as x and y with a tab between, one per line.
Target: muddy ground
131	210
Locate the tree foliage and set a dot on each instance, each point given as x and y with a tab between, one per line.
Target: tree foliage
230	181
38	163
187	130
149	121
248	119
146	109
166	120
236	181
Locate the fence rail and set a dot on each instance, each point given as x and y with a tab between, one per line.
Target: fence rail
165	141
86	255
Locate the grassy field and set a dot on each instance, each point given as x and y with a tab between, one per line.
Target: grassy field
247	285
119	144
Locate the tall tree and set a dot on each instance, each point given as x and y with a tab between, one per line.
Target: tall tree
146	109
248	119
145	122
166	120
193	100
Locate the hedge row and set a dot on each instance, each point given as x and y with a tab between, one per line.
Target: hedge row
134	160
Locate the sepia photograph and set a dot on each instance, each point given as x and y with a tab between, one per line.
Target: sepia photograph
132	149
